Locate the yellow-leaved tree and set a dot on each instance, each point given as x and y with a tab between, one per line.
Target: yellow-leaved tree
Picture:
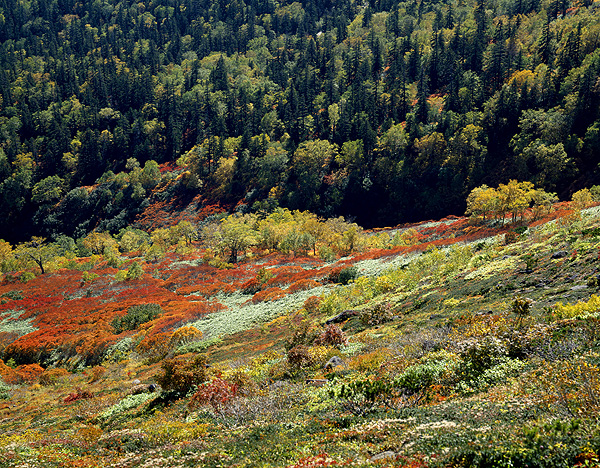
36	251
513	198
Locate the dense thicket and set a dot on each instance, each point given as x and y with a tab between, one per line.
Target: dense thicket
386	110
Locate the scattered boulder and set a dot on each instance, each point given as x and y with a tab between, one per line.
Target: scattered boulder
383	455
485	312
316	382
142	388
345	315
335	363
559	254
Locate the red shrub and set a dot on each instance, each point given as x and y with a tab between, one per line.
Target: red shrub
216	393
312	304
28	373
270	294
78	395
302	285
332	336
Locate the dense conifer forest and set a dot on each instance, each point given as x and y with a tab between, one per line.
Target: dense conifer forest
386	111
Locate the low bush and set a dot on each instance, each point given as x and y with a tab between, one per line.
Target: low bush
299	356
343	275
53	376
302	333
180	376
4	391
312	304
377	314
480	355
429	371
332	336
216	393
136	316
369	362
29	373
96	373
362	397
493	376
78	394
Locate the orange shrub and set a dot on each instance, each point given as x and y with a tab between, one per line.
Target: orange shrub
9	375
155	347
29	373
312	304
96	373
302	285
53	376
270	294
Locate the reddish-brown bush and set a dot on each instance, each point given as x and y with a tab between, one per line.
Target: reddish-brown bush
9	375
29	373
181	375
299	356
332	336
96	373
78	394
53	376
215	393
270	294
312	304
302	285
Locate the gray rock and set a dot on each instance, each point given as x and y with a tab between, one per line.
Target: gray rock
334	363
383	455
560	254
142	388
345	315
485	312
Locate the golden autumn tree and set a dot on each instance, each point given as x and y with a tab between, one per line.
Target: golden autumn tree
36	251
482	201
514	198
100	243
233	234
7	257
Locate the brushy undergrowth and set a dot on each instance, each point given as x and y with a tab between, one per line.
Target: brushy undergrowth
471	354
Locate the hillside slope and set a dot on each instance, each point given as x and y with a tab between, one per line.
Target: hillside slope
470	345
